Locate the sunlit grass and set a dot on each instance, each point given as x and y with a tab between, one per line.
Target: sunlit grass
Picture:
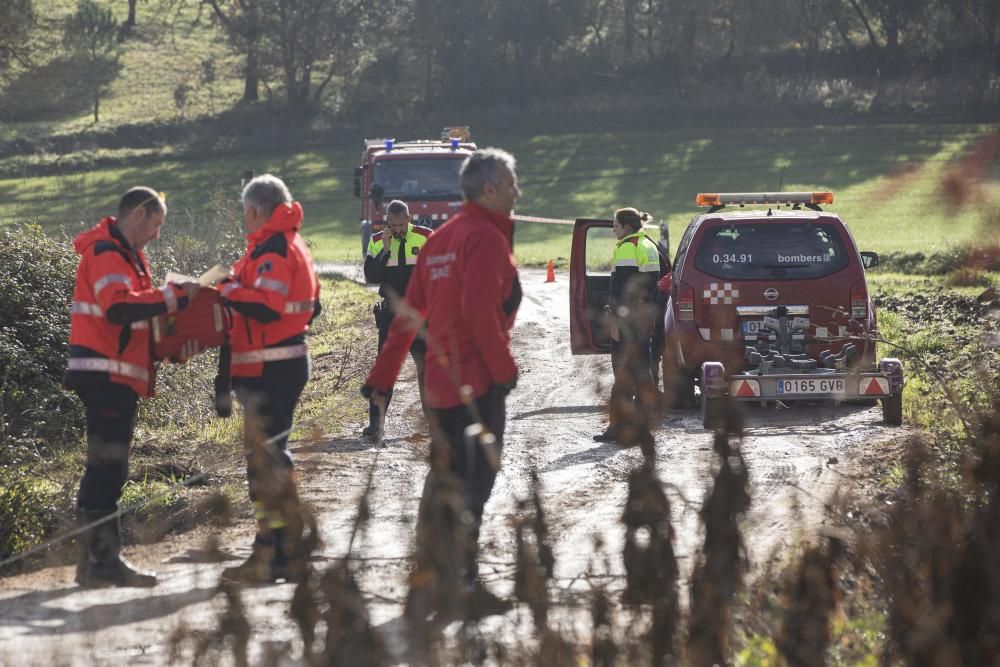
581	175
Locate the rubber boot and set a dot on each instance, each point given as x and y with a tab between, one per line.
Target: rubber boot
374	428
257	568
105	565
371	431
477	600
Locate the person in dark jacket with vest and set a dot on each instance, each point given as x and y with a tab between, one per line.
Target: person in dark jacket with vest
465	288
273	292
391	257
635	271
110	366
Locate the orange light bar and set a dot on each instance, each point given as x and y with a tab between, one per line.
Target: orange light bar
742	198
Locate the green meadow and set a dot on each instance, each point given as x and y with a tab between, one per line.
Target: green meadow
887	181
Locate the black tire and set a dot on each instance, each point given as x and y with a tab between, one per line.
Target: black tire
711	412
892	410
684	398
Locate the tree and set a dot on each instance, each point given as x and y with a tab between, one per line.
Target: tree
310	35
15	43
126	28
89	33
242	21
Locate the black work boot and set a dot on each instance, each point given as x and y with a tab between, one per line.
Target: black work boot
257	569
105	566
610	434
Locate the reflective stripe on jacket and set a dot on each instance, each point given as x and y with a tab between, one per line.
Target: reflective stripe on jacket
113	301
391	268
273	292
636	261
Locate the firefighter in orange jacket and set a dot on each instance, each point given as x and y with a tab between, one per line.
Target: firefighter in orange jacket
274	294
111	366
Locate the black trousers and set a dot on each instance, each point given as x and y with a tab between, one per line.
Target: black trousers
272	397
455	449
417	351
633	390
111	411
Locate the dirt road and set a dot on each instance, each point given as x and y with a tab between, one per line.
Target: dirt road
796	458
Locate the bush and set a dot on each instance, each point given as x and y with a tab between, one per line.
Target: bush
37	417
31	510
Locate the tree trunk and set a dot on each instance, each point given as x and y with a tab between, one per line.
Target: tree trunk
126	28
629	36
251	76
97	105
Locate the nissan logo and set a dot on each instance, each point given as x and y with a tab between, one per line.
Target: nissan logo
770	294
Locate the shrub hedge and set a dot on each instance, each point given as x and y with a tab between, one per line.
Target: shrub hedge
37	417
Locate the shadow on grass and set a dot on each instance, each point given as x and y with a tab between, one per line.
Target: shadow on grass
59	90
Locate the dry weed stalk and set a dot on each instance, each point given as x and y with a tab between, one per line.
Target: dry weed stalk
443	539
535	560
651	570
721	563
815	593
233	624
604	651
939	556
350	638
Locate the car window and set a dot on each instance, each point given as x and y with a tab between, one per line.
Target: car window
601	243
771	250
682	248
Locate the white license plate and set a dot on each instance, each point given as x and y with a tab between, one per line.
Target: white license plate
812	386
753	327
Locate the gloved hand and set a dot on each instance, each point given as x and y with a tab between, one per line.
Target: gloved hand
666	283
509	386
224	404
374	395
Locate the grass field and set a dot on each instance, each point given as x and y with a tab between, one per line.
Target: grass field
886	177
886	180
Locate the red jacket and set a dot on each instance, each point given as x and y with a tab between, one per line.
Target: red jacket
465	287
112	303
274	292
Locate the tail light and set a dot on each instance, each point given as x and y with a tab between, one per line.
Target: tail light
859	300
685	302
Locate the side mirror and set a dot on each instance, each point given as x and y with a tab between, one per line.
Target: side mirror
357	181
869	259
376	193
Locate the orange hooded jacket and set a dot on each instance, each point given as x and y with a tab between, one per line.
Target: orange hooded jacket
274	292
113	302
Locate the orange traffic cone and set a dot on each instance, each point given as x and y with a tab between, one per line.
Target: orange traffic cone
550	275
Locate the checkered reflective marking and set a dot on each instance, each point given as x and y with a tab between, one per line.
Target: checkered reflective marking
716	334
715	294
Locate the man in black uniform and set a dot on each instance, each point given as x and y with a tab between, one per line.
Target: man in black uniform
389	262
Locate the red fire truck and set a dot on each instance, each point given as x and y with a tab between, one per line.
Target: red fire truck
423	173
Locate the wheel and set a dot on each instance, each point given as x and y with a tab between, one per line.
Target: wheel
683	390
711	412
892	410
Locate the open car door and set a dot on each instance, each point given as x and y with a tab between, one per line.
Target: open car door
590	286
